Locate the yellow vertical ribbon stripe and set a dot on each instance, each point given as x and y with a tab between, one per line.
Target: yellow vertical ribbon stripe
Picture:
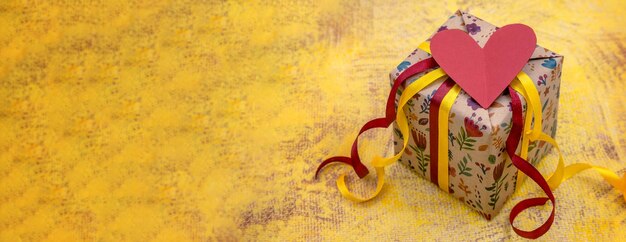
442	148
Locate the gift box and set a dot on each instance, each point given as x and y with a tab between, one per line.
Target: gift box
475	111
480	173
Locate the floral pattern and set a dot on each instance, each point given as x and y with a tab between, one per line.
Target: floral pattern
463	168
542	80
472	28
425	106
549	63
473	104
420	146
471	130
496	186
480	173
404	65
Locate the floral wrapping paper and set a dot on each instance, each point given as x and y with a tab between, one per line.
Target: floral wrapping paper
480	173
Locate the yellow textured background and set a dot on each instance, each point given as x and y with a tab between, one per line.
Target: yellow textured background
183	120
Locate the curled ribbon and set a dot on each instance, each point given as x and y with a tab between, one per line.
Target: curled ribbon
354	160
525	167
524	85
379	163
522	128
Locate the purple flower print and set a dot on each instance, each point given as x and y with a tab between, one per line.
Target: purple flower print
442	28
542	80
472	104
472	28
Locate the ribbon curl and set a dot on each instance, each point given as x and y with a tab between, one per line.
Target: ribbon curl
354	160
522	128
525	167
380	163
524	85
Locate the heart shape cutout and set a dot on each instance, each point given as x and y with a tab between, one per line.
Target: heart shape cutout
484	73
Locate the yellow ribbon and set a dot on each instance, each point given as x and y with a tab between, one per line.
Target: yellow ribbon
425	46
380	163
518	86
442	149
524	85
444	113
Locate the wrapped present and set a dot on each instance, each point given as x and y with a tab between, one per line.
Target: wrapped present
479	172
475	108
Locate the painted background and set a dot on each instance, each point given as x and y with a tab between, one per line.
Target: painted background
184	120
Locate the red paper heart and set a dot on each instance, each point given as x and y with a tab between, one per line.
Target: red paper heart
484	73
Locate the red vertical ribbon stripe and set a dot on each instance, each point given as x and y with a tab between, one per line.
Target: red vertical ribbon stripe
433	114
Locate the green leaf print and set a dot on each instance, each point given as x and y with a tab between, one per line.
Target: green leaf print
398	133
463	169
532	146
422	160
464	141
425	106
496	187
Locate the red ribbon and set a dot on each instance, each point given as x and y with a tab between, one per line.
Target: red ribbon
524	166
511	145
355	160
433	114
